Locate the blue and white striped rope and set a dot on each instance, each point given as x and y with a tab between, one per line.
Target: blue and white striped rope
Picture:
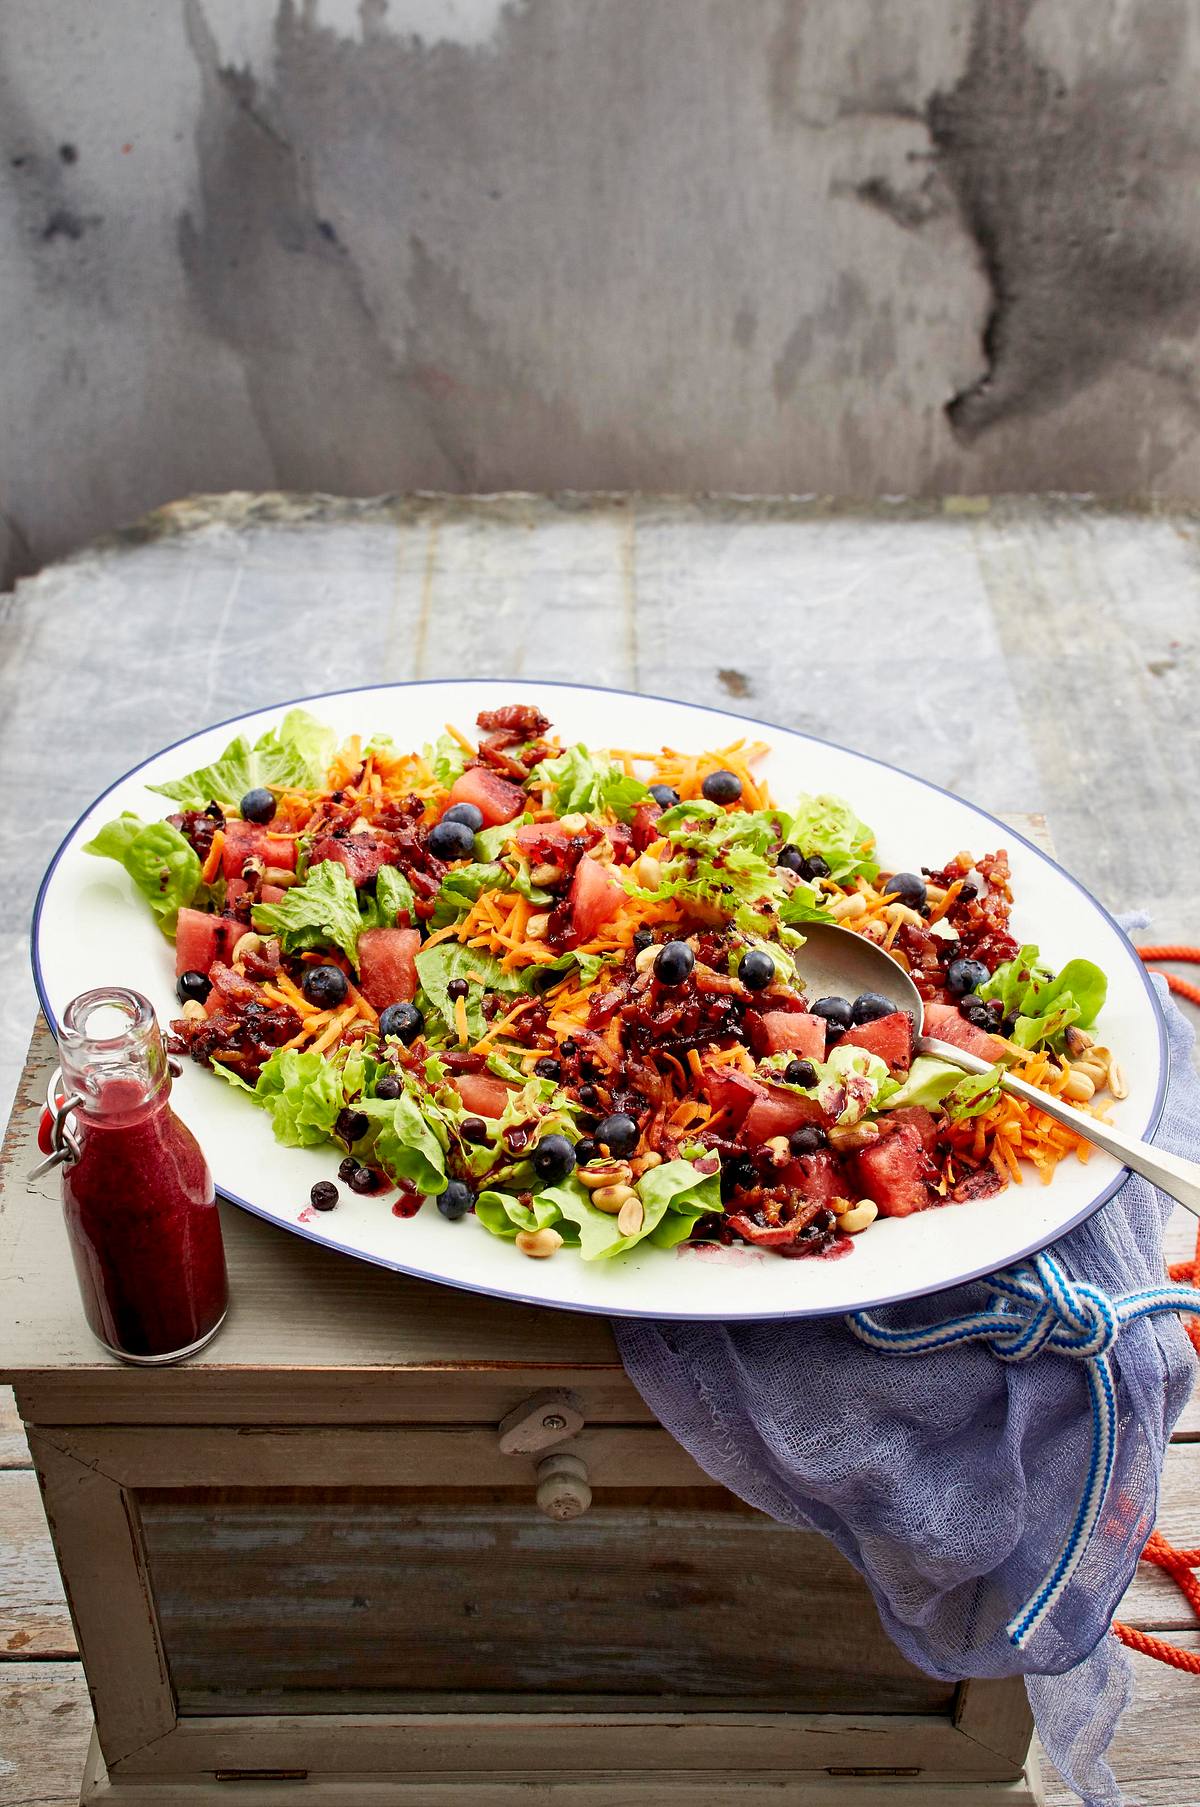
1033	1308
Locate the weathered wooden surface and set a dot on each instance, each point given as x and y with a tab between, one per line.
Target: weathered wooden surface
370	1595
1031	656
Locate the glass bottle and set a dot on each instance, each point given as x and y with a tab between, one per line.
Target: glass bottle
140	1210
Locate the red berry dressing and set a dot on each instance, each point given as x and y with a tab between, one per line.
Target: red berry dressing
139	1205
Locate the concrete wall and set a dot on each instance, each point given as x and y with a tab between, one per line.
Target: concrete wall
850	246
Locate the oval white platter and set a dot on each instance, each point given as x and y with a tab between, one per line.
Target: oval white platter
91	928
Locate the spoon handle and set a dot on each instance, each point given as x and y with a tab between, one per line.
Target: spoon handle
1178	1178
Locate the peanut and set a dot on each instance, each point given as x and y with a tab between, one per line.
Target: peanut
857	1217
645	960
194	1011
847	908
846	1137
630	1217
535	928
538	1243
642	1163
280	877
573	824
250	943
1079	1087
611	1198
605	1173
1118	1085
780	1152
546	875
647	872
1078	1041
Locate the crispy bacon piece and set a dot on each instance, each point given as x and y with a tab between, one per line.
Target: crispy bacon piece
516	721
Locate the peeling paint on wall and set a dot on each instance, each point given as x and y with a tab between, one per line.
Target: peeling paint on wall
846	246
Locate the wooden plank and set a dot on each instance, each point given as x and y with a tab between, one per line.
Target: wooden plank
1152	1601
543	1788
94	1525
34	1621
997	1715
259	1597
1155	1750
375	1455
45	1731
14	1450
375	1744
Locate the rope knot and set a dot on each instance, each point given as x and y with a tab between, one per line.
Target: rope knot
1031	1309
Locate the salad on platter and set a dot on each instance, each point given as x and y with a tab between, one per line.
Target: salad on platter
562	991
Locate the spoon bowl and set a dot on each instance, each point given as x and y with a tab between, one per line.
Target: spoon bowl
837	962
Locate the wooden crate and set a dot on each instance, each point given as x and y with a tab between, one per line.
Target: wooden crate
303	1563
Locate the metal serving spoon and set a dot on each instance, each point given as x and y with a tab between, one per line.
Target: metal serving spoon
836	962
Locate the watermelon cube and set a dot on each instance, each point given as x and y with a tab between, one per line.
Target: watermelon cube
890	1037
791	1032
494	797
387	971
896	1172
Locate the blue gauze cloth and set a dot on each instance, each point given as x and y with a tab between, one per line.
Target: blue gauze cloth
950	1480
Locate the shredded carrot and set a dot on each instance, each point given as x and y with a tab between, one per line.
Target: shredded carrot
212	864
460	1021
456	734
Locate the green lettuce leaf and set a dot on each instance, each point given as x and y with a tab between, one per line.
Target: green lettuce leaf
723	860
460	888
491	842
446	760
684	1194
582	785
828	826
162	865
504	1215
1046	1004
976	1093
304	1092
927	1082
405	1142
297	752
322	912
393	894
437	966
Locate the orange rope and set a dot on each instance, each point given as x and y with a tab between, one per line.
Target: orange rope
1180	1565
1183	987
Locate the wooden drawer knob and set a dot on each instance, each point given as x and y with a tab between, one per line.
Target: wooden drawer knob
563	1490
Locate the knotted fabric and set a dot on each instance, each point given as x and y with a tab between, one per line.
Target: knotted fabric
988	1459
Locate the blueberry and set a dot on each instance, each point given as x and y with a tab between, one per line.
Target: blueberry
586	1149
324	1195
348	1168
976	1011
722	787
351	1125
258	805
553	1159
548	1068
451	841
473	1129
404	1021
193	987
673	962
664	795
455	1201
807	1139
619	1133
805	865
837	1012
325	986
642	940
735	1174
871	1006
800	1072
467	814
756	969
569	1049
457	988
363	1180
908	889
963	976
388	1087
